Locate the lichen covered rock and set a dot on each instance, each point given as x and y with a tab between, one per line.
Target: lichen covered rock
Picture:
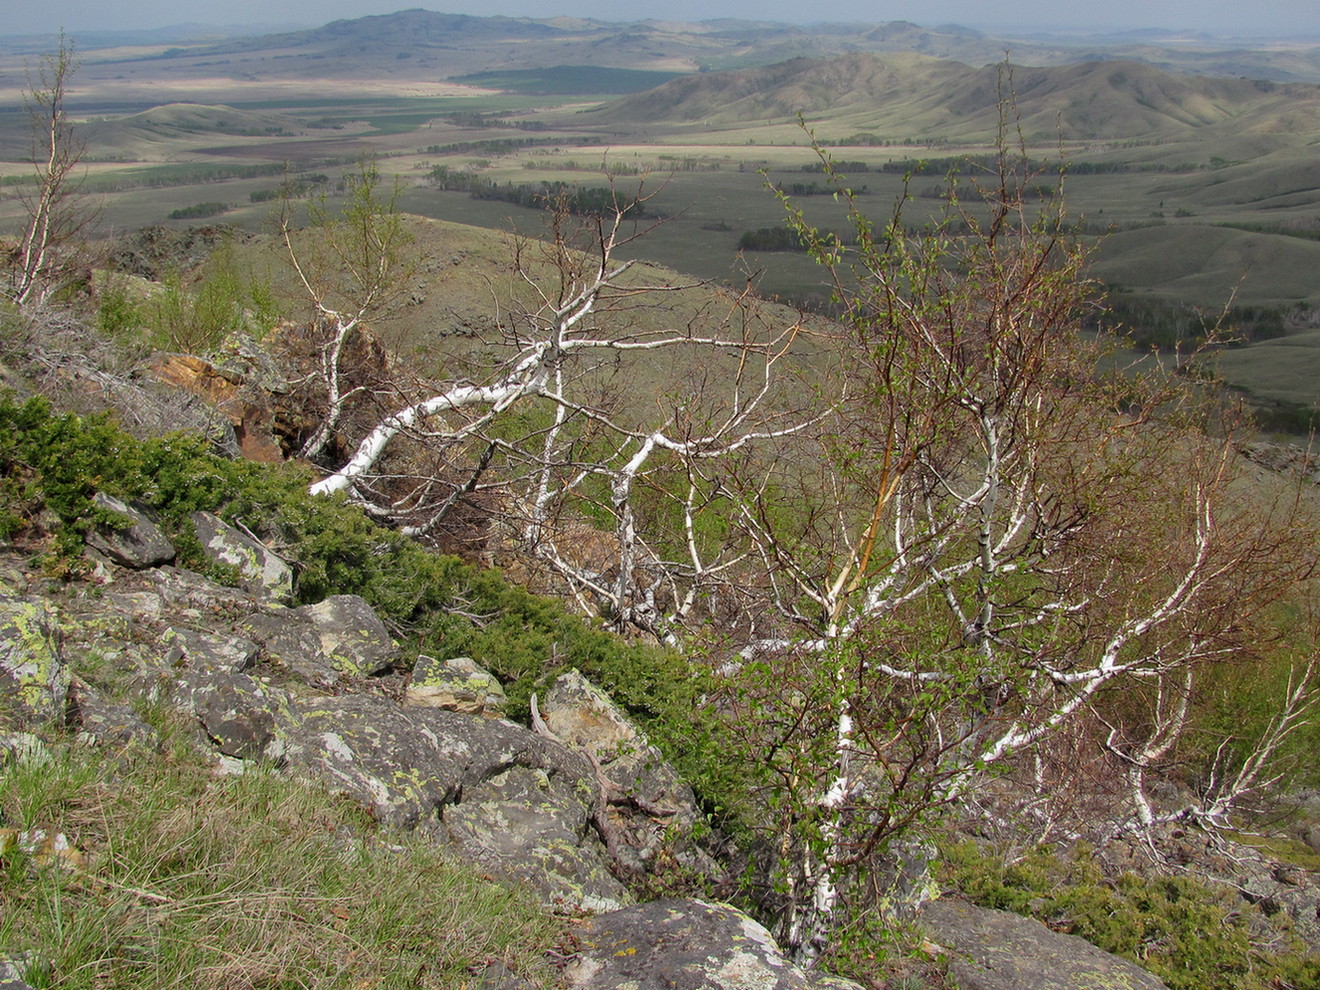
685	945
996	950
138	543
650	807
352	635
33	678
103	723
456	685
260	570
500	795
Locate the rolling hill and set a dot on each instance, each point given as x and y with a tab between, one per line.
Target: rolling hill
422	46
913	94
178	124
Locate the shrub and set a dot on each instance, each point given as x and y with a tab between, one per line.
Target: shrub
435	603
119	311
1191	935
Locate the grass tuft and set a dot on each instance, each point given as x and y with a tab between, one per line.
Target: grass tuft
188	879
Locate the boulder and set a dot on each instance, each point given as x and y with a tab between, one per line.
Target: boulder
33	679
996	950
260	570
1311	836
500	795
235	712
381	756
202	650
536	827
17	969
289	639
352	635
138	543
456	685
650	806
188	595
685	945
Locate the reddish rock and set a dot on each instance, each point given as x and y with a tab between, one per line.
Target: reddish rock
249	409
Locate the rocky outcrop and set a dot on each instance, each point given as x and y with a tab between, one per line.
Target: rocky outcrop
648	807
685	945
996	950
498	794
573	809
243	399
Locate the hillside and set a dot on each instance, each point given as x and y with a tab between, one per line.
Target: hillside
176	125
913	94
423	48
224	607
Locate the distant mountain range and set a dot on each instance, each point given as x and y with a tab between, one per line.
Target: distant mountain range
421	44
915	95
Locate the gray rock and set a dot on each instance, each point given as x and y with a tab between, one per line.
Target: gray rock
650	806
457	685
1312	837
236	713
352	635
33	677
23	748
208	651
136	604
536	827
996	950
380	756
685	945
183	591
290	640
16	970
138	545
104	723
260	570
496	976
455	777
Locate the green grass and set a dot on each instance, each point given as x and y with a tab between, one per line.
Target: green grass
569	80
189	879
1285	369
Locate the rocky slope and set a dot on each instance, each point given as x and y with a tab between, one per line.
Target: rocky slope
579	809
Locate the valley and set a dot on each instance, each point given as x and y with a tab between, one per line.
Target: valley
1197	191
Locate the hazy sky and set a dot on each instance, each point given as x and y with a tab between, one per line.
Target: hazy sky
1254	18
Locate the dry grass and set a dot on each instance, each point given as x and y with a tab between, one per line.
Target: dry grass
194	880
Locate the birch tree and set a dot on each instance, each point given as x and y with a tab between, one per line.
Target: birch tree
559	435
47	256
352	267
1013	549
